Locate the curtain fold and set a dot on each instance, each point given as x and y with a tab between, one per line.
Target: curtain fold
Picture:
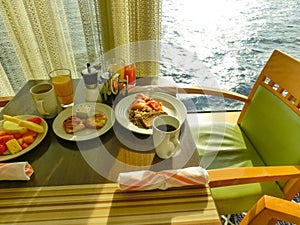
90	24
125	27
45	35
37	34
5	87
21	35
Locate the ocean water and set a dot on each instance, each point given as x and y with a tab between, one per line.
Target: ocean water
232	39
220	43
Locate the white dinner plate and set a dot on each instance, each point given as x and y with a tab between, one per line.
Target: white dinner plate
87	133
37	140
171	105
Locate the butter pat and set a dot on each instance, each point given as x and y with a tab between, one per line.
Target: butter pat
83	111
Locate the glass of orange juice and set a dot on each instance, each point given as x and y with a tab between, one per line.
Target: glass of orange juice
63	86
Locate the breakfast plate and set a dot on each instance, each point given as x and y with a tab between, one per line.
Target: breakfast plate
37	140
171	105
85	134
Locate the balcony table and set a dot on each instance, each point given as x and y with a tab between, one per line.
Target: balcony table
70	186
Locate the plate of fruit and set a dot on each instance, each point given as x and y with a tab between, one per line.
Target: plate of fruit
20	134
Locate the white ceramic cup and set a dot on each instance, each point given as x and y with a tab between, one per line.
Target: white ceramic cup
44	99
166	130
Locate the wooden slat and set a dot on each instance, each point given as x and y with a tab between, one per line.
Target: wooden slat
269	208
284	70
245	175
106	204
291	188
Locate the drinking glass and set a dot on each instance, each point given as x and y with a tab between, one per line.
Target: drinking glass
130	74
63	86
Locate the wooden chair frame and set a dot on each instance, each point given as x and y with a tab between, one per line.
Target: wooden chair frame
289	92
245	175
284	82
270	209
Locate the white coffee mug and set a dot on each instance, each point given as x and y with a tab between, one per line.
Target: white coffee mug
44	99
166	131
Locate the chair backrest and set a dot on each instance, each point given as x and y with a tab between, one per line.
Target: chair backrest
271	117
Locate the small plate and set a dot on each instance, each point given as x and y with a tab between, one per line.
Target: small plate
88	133
171	105
37	140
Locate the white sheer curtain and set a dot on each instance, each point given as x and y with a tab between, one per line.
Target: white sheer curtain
41	35
40	39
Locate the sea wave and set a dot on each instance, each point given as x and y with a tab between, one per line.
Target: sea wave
233	39
220	43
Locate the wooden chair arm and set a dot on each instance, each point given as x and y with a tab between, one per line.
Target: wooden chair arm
269	209
212	91
245	175
5	100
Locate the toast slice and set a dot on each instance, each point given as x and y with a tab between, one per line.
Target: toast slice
146	119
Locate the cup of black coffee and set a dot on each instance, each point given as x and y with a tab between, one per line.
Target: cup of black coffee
166	130
44	98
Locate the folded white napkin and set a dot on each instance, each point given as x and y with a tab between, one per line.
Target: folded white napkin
149	180
15	171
